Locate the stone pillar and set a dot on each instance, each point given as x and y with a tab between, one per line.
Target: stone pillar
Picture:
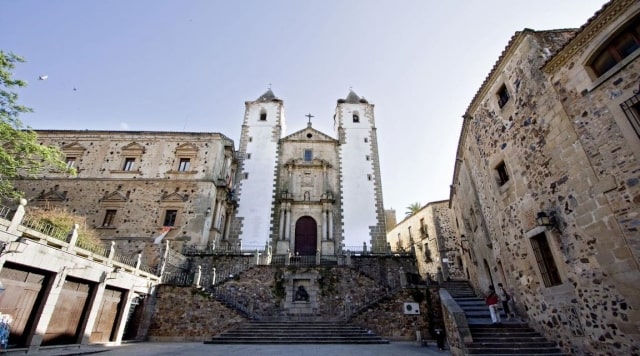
213	277
324	224
196	280
95	302
52	293
122	319
330	235
281	229
317	257
288	223
17	218
73	238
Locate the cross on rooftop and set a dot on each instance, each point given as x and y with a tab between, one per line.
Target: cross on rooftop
309	116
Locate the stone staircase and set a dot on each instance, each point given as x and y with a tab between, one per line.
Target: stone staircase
297	333
510	337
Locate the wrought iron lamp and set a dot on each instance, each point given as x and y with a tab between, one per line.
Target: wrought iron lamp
544	219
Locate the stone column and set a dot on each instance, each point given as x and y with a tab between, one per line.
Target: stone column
52	292
122	319
95	302
281	230
288	223
324	224
330	235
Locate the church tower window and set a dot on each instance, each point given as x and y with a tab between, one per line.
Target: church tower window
263	115
308	155
356	118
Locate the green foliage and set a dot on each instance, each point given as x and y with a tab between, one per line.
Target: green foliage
413	208
64	220
278	286
20	153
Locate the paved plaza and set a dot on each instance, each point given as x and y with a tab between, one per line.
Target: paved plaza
198	348
403	348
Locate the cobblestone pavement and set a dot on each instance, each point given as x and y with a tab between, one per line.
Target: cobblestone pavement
194	348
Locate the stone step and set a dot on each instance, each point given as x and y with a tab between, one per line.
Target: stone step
297	333
514	350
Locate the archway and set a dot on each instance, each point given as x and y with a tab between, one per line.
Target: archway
306	236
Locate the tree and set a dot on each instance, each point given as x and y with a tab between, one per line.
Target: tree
20	153
413	208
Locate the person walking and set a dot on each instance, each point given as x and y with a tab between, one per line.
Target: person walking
492	301
505	298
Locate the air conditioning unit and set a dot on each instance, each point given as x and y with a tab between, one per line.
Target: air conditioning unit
412	308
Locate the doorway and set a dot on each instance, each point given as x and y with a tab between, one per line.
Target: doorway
306	236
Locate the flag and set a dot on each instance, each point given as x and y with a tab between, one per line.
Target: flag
165	231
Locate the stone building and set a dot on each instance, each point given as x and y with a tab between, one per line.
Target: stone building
430	235
135	186
545	186
307	192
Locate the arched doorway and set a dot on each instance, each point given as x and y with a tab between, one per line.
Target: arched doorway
306	236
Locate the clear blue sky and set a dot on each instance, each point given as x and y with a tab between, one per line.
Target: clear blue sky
190	66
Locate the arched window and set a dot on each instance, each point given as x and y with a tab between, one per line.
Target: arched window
356	118
617	48
263	115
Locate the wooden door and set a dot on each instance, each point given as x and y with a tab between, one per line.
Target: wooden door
306	236
67	314
103	328
22	294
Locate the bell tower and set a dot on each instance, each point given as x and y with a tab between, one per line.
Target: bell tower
361	188
262	128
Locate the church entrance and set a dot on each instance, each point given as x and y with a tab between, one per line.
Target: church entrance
306	236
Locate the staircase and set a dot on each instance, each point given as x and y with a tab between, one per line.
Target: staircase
297	333
510	337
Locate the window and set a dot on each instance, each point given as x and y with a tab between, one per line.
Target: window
503	176
308	155
356	118
109	217
248	155
71	162
503	96
369	177
367	157
366	140
546	263
128	164
170	218
246	175
184	165
427	253
263	116
617	49
631	109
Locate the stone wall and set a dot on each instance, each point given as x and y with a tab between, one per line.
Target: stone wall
188	314
556	146
388	320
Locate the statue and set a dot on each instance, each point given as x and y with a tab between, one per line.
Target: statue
301	295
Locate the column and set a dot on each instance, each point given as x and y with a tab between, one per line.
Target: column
288	223
324	224
330	224
95	302
281	229
122	316
52	292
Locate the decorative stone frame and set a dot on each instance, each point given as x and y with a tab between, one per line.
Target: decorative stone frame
185	151
133	150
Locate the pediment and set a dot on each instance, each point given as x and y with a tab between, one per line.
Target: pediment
309	134
186	148
133	147
72	148
117	197
173	197
53	195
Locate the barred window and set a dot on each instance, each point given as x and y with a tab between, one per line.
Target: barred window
631	109
544	258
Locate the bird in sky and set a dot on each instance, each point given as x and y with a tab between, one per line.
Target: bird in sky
43	77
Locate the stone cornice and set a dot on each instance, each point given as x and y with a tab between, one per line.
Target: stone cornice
604	17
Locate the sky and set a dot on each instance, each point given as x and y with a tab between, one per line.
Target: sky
189	65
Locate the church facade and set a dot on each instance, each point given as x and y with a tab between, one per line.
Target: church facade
308	193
